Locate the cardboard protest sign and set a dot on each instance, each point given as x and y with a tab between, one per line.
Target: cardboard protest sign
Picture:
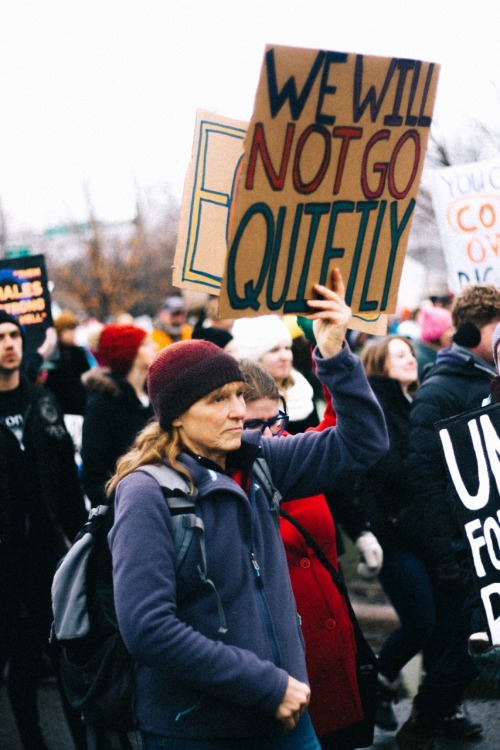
24	294
471	447
333	158
202	238
466	200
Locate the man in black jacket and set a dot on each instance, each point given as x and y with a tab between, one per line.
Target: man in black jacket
456	383
41	509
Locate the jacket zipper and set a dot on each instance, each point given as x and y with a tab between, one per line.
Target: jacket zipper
259	584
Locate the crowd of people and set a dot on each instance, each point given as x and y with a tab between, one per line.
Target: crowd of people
345	426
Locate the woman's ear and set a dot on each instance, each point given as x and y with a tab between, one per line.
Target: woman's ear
176	422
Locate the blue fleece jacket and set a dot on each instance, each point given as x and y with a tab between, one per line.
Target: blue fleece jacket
191	680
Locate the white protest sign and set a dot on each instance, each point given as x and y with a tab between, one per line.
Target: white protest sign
466	200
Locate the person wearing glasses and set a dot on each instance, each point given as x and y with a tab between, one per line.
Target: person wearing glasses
263	401
326	626
268	341
217	645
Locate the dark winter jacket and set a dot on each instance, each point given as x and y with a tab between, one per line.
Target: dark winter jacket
192	680
113	417
64	380
457	383
385	489
41	502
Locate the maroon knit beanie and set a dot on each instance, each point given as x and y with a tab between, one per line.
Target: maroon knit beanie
118	345
185	372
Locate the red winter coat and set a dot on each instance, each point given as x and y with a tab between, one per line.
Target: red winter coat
326	625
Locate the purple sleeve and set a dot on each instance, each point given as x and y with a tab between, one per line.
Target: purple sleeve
313	462
145	598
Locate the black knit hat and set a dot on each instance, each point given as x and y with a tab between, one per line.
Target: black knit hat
6	318
185	372
218	336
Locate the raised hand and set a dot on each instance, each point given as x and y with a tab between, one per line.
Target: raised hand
330	315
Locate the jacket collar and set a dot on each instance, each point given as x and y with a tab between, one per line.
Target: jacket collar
241	459
460	356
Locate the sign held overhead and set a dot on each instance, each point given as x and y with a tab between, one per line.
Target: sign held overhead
332	163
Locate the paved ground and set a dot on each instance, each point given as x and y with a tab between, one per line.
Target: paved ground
52	718
58	738
483	704
376	617
485	711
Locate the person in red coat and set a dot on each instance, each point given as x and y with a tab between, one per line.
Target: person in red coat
335	703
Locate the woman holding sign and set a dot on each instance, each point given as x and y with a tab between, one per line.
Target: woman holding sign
217	645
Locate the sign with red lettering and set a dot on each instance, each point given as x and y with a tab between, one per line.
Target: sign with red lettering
466	200
332	162
471	448
24	294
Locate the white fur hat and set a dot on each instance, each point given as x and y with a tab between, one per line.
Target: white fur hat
254	337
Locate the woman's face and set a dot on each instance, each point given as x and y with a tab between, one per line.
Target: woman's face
212	426
401	364
263	408
146	352
278	361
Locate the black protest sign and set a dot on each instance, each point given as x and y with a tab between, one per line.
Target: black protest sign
24	294
471	448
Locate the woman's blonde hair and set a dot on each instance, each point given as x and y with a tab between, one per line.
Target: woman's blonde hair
151	446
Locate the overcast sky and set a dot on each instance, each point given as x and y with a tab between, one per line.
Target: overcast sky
105	92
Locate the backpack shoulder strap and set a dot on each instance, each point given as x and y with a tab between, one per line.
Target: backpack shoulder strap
185	520
171	481
262	474
337	579
182	505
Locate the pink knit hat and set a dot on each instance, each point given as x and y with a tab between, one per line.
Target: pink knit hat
433	322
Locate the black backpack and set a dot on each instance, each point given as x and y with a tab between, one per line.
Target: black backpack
96	670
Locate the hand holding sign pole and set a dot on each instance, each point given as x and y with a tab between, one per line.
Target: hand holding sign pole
330	315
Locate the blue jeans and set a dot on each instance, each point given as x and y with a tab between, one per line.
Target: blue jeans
300	738
434	621
406	581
